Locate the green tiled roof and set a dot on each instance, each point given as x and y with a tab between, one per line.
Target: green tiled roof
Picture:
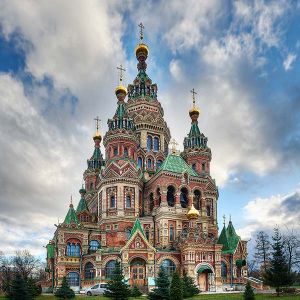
195	131
121	110
137	227
82	206
176	164
50	250
229	239
71	216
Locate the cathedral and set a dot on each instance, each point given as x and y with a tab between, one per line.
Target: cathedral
145	204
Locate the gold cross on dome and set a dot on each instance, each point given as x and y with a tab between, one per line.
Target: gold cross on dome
194	93
121	70
142	27
97	121
173	146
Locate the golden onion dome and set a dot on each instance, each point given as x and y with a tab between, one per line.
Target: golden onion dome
120	89
194	111
193	213
97	136
142	48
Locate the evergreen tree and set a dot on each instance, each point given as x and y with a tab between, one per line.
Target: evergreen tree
176	292
161	292
64	292
33	289
189	287
117	289
18	289
277	275
249	294
135	292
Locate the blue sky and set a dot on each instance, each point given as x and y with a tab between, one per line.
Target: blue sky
58	71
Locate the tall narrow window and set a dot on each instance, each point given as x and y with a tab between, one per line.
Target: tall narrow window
171	233
203	166
194	167
171	195
112	201
149	163
73	279
110	268
126	151
158	164
128	201
128	232
140	162
149	142
184	197
156	143
89	271
147	234
115	151
197	199
208	211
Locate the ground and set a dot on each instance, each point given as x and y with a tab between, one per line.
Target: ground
200	297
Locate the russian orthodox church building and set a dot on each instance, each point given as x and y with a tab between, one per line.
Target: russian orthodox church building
145	205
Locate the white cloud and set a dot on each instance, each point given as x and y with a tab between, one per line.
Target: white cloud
276	210
289	60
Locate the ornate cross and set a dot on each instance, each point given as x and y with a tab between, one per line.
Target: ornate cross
121	69
224	219
97	121
194	93
173	145
71	200
141	31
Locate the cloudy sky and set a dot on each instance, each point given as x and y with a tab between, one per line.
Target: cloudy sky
58	71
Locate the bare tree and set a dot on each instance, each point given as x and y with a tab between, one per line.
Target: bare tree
25	263
6	272
292	249
263	248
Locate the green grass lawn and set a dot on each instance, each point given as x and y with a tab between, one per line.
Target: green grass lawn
200	297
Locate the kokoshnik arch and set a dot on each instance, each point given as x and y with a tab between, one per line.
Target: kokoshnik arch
145	205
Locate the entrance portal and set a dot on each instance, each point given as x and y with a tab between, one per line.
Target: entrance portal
206	279
138	272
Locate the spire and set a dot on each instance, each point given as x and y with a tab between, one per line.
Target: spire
137	227
141	51
120	89
96	161
71	217
82	205
194	111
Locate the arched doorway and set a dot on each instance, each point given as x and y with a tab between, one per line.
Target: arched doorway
138	272
206	278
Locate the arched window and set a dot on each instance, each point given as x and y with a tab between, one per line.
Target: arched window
151	198
149	163
128	232
73	279
91	186
140	162
197	199
171	233
203	166
109	269
126	151
208	211
184	232
149	142
158	164
156	143
171	195
94	245
169	266
112	201
194	167
147	233
223	269
184	200
73	249
115	151
128	201
89	271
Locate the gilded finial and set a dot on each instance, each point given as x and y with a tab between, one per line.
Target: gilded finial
194	111
120	89
142	27
97	135
173	146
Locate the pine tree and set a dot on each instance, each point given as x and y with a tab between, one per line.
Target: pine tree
189	287
33	289
277	275
64	292
249	294
135	292
117	289
18	289
162	282
176	292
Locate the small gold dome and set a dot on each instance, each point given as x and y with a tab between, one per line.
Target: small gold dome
194	111
120	89
193	213
97	136
142	48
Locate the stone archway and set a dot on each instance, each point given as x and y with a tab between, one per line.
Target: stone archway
205	277
138	272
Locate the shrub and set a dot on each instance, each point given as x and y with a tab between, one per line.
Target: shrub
64	292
